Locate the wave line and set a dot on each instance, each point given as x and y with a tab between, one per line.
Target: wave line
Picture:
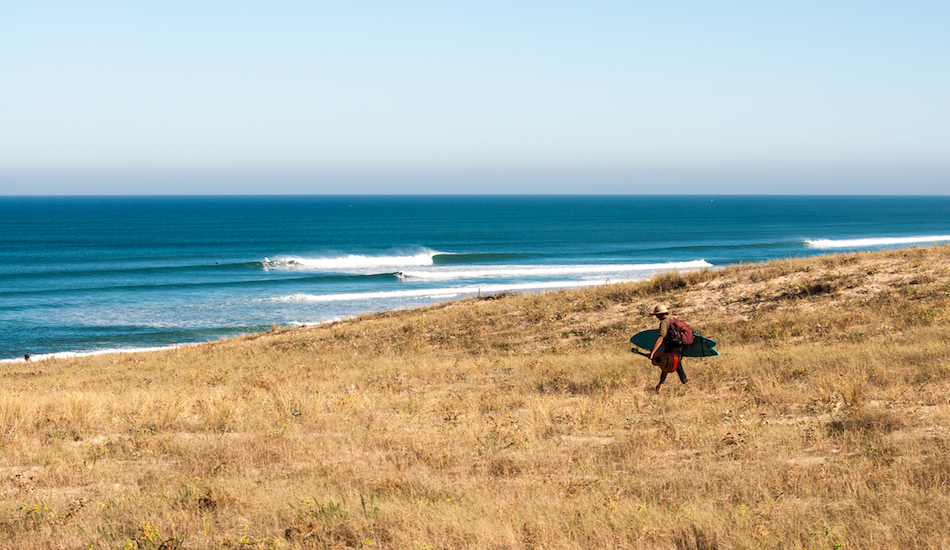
542	270
451	292
873	241
351	261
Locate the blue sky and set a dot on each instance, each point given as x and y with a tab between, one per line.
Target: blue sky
474	97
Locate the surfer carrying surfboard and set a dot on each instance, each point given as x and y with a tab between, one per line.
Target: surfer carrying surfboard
671	358
676	339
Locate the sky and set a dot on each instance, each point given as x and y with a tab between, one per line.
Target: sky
316	97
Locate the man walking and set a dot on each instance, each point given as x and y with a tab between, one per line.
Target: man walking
671	359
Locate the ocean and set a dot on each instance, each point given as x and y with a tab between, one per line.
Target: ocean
103	274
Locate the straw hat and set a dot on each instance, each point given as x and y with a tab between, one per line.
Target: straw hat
660	309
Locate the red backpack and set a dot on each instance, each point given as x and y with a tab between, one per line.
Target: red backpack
680	333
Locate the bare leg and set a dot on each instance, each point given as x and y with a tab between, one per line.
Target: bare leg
662	379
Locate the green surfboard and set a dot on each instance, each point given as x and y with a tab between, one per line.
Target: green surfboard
701	346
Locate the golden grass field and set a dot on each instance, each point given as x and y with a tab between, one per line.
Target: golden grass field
513	422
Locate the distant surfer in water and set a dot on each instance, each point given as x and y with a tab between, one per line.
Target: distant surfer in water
670	360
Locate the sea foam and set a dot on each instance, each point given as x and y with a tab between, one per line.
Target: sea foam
874	241
351	261
109	351
548	270
438	293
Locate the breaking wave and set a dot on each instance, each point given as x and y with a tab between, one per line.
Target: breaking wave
873	241
352	261
431	293
584	270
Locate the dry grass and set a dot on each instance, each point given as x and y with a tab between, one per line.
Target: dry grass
516	422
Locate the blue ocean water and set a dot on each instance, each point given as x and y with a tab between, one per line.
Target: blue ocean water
92	274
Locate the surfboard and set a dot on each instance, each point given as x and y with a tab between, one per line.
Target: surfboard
701	346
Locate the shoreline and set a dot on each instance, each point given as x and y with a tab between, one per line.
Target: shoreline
111	351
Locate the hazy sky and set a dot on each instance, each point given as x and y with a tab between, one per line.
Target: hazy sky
471	97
